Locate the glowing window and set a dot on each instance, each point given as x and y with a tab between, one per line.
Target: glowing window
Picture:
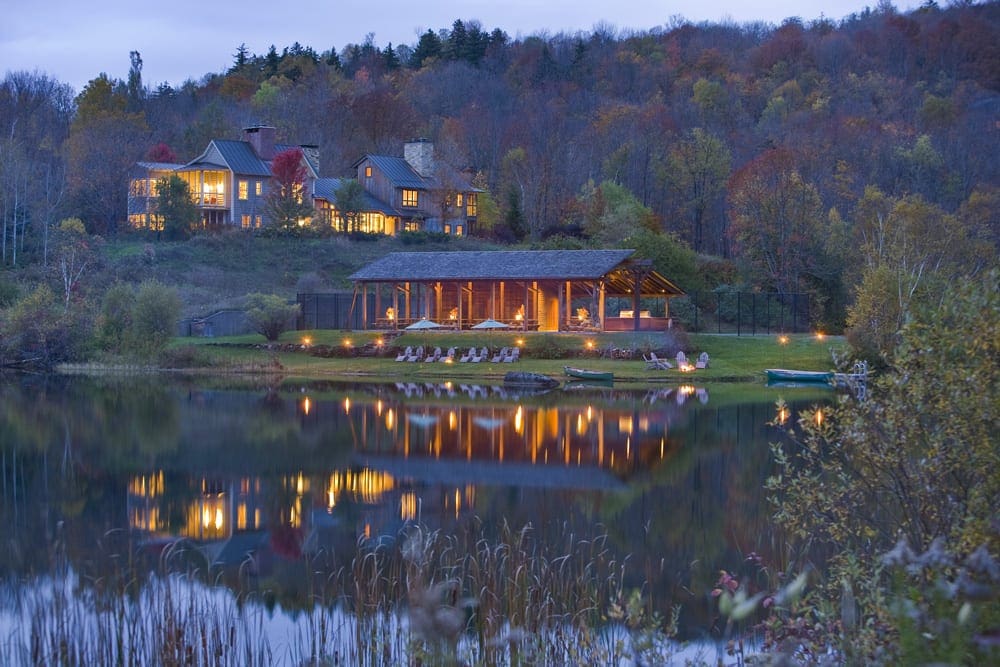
244	190
458	230
245	221
368	171
409	198
470	205
458	200
447	229
258	187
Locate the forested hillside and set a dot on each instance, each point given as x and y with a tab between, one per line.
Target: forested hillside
810	156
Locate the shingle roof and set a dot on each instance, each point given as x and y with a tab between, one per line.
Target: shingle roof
240	157
326	188
306	154
159	166
493	265
612	265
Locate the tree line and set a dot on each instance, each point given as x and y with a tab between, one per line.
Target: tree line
807	156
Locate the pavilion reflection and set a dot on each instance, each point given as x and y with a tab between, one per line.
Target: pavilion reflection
408	460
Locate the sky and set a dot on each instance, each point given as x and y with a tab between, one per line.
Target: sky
74	41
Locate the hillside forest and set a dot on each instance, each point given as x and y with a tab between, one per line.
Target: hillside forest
853	160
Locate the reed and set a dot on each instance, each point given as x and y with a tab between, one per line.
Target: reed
426	598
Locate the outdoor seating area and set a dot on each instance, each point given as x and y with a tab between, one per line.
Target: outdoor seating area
504	355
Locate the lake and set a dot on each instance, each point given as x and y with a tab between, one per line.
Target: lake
272	488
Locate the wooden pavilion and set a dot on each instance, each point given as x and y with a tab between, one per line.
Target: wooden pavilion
530	290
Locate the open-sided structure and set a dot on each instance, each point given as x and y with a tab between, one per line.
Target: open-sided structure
546	290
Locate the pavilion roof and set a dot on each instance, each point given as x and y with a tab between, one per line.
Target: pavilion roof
489	265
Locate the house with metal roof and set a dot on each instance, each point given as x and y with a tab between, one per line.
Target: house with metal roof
142	193
230	180
545	290
424	193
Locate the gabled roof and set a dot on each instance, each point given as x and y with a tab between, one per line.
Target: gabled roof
326	188
493	265
241	158
398	171
614	266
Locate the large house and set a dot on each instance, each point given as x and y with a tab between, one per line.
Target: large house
230	180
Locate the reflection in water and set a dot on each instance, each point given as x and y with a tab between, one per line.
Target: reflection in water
280	473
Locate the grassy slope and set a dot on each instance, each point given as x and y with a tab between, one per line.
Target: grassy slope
217	271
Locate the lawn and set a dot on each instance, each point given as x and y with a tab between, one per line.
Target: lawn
732	358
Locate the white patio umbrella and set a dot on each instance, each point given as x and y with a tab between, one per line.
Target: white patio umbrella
423	323
490	324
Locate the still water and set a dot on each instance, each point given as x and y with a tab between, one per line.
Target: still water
263	478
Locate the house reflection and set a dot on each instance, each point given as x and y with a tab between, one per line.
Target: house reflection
409	460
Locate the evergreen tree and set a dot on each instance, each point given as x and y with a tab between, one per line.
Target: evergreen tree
135	92
428	48
271	61
390	58
240	58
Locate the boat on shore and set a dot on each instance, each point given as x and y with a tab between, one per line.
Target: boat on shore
787	375
584	374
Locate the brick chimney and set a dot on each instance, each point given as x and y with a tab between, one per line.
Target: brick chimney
419	153
261	138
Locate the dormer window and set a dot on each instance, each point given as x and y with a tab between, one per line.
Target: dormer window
409	198
368	171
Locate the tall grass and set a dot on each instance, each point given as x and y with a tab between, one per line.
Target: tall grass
426	598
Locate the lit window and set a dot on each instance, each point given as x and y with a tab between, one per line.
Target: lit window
245	220
409	198
447	229
368	171
458	200
470	205
258	187
257	222
458	230
244	190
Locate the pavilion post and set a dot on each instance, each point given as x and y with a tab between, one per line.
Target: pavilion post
364	306
524	320
600	305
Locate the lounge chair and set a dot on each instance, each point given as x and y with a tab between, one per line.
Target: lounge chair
417	355
482	356
449	356
498	357
653	362
433	356
682	359
405	354
702	360
513	355
467	356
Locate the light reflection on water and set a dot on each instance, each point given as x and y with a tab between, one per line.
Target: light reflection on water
277	473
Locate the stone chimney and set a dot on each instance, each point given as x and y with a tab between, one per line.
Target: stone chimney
311	152
419	153
261	138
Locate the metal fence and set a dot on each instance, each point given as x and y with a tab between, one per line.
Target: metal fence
744	313
333	310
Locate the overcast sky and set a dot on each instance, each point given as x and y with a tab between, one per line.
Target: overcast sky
75	40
